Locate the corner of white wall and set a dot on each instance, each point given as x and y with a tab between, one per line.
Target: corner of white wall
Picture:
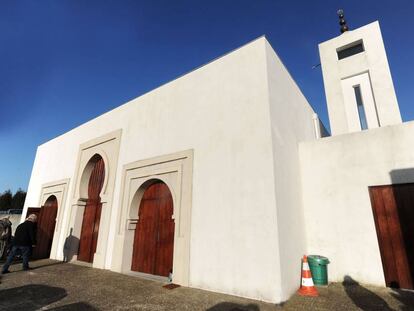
32	196
292	120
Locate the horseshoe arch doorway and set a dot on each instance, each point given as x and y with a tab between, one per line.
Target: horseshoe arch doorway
92	212
153	246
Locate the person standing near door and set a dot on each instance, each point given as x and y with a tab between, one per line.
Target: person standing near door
23	242
5	236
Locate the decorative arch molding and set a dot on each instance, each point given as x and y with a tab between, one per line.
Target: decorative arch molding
59	189
85	171
106	147
176	171
136	199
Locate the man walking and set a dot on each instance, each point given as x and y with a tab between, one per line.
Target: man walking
24	240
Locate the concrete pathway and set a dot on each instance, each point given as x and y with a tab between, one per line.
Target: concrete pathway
56	286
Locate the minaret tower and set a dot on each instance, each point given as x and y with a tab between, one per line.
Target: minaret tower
359	90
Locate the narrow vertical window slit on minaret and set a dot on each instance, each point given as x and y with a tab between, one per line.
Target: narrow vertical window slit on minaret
360	106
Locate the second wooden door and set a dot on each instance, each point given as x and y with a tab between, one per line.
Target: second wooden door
46	223
92	213
154	234
393	208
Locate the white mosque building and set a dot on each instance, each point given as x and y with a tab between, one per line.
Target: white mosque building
222	179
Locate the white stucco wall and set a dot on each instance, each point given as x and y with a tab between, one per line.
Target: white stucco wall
221	111
291	122
336	173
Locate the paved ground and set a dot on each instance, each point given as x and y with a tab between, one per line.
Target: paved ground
56	286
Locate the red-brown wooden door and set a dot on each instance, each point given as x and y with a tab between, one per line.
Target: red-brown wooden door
393	209
92	213
154	234
46	223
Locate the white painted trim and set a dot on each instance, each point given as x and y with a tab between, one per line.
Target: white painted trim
59	189
107	146
175	170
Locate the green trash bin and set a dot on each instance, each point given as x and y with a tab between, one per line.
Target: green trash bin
319	268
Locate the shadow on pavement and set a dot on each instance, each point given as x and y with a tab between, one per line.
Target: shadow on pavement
30	297
364	298
229	306
78	306
38	262
406	298
34	264
45	264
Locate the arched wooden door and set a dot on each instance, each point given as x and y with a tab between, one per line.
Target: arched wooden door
45	228
154	234
92	213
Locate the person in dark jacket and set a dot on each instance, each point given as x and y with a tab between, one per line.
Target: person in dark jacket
24	240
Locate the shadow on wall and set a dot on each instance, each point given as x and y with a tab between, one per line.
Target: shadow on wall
30	297
229	306
70	248
402	176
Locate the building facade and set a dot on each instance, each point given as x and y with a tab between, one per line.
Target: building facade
216	179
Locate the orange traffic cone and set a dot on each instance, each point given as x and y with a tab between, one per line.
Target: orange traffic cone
307	288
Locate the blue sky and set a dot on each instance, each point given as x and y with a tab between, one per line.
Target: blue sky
65	62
